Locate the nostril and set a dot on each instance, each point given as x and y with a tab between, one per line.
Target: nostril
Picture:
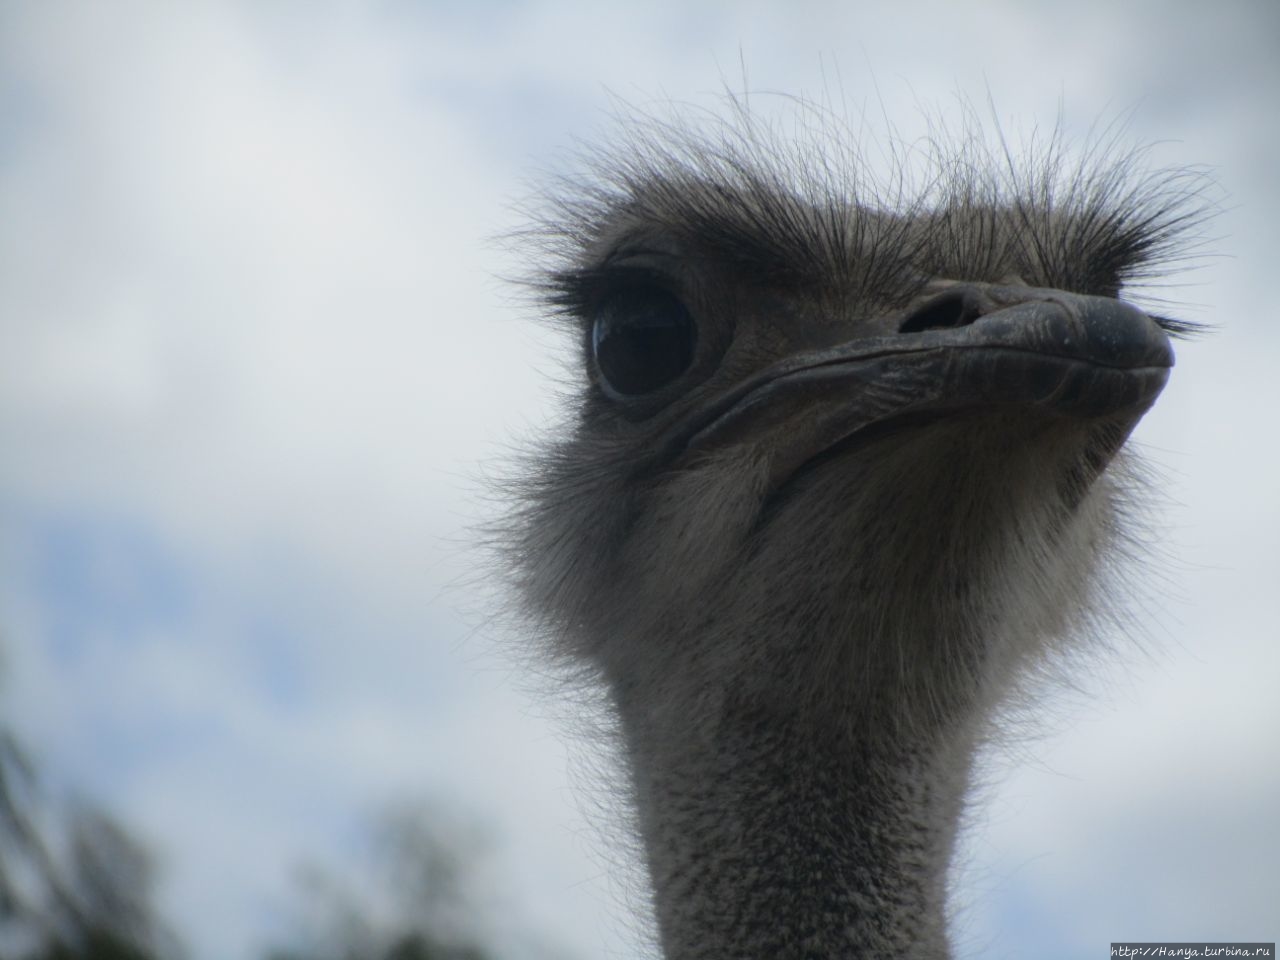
955	308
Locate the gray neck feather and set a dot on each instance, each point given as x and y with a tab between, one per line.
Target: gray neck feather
772	832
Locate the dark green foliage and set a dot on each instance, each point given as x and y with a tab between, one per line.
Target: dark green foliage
73	884
413	900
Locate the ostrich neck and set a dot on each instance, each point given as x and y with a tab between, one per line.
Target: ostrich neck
774	834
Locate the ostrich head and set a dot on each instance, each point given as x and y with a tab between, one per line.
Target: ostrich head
844	463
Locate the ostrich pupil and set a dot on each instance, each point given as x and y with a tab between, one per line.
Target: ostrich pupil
642	340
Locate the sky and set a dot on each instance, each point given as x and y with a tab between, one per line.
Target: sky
258	356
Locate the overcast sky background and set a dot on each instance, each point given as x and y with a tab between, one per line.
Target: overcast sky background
254	352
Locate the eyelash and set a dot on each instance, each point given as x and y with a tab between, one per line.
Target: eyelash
581	292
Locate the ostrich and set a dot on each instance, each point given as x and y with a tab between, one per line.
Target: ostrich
843	470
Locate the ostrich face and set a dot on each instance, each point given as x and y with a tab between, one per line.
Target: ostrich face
882	435
702	358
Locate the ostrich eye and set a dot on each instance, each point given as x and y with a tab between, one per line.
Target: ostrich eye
642	339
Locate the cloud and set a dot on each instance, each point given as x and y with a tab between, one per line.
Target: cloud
256	342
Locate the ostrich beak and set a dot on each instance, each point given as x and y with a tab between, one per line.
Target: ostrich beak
1094	360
